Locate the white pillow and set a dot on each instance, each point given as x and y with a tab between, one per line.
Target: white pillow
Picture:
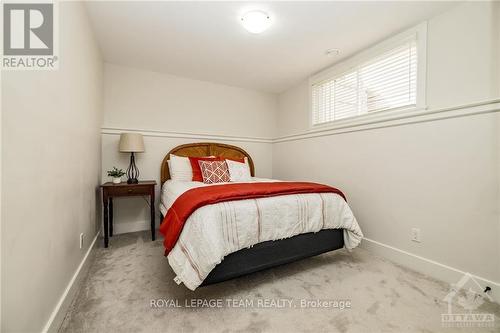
180	168
238	172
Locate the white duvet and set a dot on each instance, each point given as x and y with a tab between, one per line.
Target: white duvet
214	231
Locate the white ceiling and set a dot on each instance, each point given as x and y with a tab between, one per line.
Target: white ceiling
205	41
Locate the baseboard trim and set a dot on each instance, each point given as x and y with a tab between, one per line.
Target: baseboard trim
426	266
57	316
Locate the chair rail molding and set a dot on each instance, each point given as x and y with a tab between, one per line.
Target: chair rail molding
184	135
394	118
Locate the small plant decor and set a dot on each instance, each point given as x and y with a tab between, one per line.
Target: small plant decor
116	174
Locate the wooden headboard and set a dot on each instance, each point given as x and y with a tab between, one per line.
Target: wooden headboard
204	149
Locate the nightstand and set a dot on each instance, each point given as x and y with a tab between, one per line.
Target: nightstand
110	190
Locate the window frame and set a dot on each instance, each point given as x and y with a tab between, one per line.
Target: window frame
420	32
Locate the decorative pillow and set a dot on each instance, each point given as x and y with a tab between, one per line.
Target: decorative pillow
195	166
241	160
214	171
238	172
180	168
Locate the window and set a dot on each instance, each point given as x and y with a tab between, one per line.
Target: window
382	80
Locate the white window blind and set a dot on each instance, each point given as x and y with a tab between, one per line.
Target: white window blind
388	81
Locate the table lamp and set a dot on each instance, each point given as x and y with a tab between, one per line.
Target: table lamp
132	143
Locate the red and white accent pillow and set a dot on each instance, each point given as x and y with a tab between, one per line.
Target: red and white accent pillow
195	166
214	172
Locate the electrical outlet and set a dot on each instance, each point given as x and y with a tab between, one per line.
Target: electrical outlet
415	235
81	239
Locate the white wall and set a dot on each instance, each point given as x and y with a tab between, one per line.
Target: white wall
441	176
162	106
140	99
461	55
497	148
51	162
496	29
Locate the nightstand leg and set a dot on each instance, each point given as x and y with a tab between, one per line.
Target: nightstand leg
105	221
152	207
110	217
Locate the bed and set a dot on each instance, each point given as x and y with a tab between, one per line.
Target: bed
323	222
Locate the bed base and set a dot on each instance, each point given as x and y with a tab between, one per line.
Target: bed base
274	253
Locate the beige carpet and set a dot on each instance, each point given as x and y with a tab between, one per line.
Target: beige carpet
123	280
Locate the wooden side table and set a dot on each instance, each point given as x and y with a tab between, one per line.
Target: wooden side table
110	190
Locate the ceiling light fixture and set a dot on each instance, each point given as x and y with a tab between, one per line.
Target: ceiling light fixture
256	21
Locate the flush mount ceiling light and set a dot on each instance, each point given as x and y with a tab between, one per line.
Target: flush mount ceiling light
256	21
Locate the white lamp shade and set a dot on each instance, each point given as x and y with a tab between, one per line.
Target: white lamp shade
131	143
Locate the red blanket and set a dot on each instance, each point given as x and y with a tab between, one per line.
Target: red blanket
195	198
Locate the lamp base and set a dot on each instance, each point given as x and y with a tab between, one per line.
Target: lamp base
132	171
132	181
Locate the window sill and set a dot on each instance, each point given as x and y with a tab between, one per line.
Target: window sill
369	118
